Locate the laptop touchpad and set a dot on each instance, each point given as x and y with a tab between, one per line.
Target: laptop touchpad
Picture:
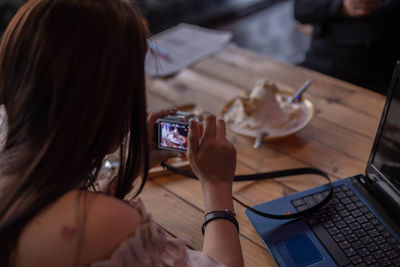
301	249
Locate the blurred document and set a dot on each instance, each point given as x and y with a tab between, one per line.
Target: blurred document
181	46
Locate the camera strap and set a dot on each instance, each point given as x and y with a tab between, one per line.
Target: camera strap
270	175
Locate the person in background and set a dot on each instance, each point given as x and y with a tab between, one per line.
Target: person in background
73	85
354	40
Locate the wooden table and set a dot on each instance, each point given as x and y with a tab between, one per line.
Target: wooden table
338	140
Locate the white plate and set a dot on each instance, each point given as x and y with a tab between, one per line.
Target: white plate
276	133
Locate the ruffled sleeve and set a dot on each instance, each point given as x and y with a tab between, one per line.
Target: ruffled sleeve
151	246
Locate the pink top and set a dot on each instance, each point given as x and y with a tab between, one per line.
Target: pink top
152	246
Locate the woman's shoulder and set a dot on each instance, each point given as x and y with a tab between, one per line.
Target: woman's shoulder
79	228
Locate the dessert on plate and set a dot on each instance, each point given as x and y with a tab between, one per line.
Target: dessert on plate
267	109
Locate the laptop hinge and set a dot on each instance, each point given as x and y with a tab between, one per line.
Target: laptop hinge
379	200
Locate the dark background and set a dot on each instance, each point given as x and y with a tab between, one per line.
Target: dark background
265	26
163	14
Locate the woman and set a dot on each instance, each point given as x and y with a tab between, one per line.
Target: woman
73	85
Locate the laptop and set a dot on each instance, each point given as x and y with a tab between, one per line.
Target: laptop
360	226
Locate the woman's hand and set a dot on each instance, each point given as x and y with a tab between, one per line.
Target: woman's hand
214	159
156	155
358	8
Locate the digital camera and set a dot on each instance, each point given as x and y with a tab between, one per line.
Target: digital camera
173	132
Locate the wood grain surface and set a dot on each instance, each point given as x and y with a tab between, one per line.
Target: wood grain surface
338	140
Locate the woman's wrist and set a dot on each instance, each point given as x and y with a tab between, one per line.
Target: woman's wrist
218	196
216	183
227	215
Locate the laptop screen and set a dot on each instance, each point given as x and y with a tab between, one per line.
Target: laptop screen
387	147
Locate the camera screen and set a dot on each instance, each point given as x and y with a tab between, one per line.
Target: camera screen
173	136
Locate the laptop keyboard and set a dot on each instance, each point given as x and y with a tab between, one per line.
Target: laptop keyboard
350	232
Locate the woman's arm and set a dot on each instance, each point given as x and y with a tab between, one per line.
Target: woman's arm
214	162
221	239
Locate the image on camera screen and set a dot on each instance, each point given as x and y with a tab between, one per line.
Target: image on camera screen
173	136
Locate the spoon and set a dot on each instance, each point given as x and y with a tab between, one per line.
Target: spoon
259	139
299	92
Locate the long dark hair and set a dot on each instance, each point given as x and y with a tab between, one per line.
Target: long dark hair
73	84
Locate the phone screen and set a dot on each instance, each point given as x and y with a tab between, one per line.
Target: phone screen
173	136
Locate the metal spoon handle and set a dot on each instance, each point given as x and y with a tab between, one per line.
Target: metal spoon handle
259	139
299	92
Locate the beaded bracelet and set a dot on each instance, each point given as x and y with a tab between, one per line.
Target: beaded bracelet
219	214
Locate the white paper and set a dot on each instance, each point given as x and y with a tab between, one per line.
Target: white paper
182	46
